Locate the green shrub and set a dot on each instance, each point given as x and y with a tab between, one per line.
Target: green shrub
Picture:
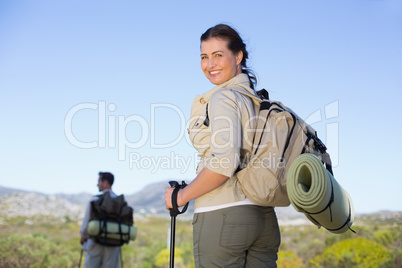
384	237
287	259
163	258
356	252
34	251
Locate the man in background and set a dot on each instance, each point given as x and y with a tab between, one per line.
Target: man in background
98	255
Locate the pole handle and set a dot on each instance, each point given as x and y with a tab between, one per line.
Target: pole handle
175	210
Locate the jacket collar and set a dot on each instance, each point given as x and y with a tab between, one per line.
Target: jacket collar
239	83
239	80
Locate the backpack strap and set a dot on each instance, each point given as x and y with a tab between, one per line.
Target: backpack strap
206	121
263	94
320	146
327	161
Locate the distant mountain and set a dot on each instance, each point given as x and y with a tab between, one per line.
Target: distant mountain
78	199
382	217
32	204
148	201
15	202
5	190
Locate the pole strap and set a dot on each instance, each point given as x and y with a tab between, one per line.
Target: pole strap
175	210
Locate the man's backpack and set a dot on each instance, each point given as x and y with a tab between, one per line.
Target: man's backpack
106	210
280	136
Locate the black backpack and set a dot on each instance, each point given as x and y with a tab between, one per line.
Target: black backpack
107	211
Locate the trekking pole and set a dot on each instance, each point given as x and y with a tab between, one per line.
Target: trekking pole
173	213
79	264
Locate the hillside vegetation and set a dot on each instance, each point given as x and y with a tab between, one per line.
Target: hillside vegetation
53	242
38	230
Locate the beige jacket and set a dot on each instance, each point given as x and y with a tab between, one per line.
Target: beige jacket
227	140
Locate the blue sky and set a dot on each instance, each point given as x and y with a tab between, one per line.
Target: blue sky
107	85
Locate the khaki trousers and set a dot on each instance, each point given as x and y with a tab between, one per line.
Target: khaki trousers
242	236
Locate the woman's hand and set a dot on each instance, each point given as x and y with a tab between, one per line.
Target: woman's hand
205	182
168	197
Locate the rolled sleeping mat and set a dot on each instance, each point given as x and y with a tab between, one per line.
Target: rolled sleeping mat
128	232
313	191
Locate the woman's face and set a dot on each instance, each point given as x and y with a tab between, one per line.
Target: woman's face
218	63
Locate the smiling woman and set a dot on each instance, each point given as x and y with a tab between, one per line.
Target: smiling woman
229	230
224	41
218	62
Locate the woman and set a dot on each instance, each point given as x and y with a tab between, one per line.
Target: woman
228	229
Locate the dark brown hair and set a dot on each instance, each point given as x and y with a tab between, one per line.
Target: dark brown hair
235	44
107	176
